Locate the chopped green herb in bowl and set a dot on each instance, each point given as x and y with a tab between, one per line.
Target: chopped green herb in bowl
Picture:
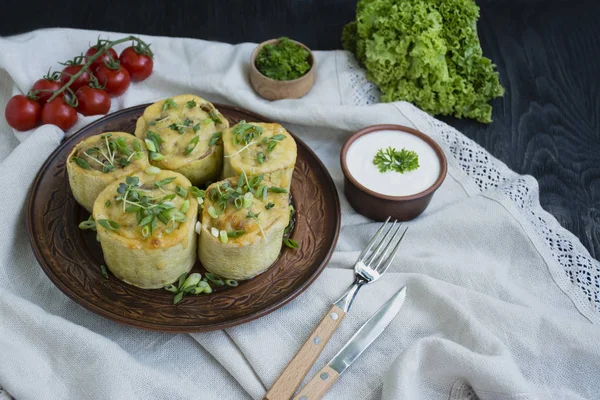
283	60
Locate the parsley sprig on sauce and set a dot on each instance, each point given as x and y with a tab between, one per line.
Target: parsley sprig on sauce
400	161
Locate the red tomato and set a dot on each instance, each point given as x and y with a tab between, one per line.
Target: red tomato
82	80
116	80
139	65
92	101
100	60
44	88
22	113
59	113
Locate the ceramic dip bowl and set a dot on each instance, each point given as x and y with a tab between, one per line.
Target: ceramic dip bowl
377	195
272	89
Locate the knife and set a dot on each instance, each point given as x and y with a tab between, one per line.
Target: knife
325	378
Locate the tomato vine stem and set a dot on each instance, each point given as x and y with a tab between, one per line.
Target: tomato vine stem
91	59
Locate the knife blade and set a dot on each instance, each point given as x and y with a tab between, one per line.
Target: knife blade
368	332
357	344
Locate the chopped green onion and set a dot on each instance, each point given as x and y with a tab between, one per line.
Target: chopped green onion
136	145
88	224
214	231
180	191
178	297
164	182
247	200
190	104
214	139
212	212
172	288
103	271
109	224
185	206
146	231
235	234
156	156
191	145
231	282
150	145
269	205
238	202
152	170
223	236
214	279
197	192
198	227
181	280
275	189
291	243
191	280
107	203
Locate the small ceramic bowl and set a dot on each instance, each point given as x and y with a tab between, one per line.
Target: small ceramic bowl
379	206
272	89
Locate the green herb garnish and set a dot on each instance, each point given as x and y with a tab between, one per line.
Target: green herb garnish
275	189
260	157
283	61
191	104
291	243
236	233
191	145
215	138
103	271
245	133
391	159
88	224
169	103
81	162
272	141
109	224
269	205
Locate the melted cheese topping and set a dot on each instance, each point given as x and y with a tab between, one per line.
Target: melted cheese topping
233	219
244	157
178	126
130	228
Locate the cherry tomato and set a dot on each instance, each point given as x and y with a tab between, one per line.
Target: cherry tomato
44	88
92	101
22	112
116	81
139	65
100	60
82	80
59	113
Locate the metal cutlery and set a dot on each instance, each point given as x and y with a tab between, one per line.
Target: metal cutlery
371	264
326	377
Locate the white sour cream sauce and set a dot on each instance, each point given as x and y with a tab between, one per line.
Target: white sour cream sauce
359	160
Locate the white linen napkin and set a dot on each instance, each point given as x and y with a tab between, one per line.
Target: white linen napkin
498	306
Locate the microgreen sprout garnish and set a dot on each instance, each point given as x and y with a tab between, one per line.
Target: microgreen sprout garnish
260	157
272	141
269	205
215	138
103	271
166	181
169	103
191	104
191	145
153	142
391	159
180	127
291	243
109	224
245	133
109	153
88	224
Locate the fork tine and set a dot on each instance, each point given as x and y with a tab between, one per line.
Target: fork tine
379	246
387	247
373	239
393	254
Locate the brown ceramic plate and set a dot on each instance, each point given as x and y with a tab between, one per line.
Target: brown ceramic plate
71	258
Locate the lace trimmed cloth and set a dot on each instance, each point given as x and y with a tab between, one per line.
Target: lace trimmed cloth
575	271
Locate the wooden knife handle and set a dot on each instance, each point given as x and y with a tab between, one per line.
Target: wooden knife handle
285	386
319	385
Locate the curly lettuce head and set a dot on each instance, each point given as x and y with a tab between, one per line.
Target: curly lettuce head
426	52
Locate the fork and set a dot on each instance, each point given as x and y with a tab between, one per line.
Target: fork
369	267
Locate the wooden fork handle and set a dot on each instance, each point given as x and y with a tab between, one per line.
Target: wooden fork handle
285	386
319	385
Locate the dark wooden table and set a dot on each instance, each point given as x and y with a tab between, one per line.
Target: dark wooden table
547	52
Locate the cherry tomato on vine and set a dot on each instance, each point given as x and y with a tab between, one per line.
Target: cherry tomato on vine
44	88
92	101
22	113
114	77
101	59
82	80
138	62
58	112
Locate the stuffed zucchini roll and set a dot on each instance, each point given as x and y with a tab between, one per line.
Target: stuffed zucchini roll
243	221
146	227
183	134
102	159
259	148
